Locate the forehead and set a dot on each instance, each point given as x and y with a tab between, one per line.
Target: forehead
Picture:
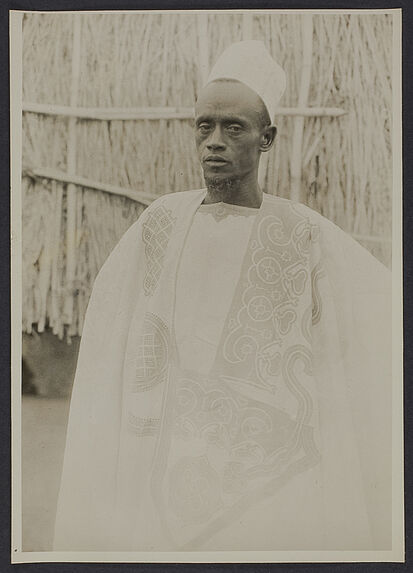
228	98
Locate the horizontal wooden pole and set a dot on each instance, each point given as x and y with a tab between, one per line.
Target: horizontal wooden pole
111	113
156	113
45	173
138	196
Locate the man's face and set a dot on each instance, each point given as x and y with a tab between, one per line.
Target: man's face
229	128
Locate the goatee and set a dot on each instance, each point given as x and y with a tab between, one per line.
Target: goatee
222	186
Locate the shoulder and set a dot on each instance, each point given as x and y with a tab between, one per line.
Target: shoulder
282	205
168	205
336	244
157	218
285	207
321	229
173	200
162	213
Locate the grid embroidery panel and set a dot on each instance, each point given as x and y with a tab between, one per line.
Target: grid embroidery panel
152	354
157	230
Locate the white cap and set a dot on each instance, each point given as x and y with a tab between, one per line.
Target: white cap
249	62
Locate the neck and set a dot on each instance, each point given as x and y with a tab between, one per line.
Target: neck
245	192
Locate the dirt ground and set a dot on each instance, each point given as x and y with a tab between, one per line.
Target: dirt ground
51	363
44	423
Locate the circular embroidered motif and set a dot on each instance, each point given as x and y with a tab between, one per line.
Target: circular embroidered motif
276	232
269	270
260	308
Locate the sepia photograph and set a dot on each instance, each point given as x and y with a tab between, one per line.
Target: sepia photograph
206	271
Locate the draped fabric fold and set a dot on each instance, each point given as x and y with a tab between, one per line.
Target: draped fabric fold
283	444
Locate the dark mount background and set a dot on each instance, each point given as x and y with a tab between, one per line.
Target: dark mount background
5	280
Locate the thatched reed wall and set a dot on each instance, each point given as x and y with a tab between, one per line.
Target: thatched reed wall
340	165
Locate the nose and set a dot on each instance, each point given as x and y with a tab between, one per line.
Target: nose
215	141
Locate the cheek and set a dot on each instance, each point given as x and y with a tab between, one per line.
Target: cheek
247	151
198	144
199	141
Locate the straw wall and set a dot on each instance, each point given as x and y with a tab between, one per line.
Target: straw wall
340	166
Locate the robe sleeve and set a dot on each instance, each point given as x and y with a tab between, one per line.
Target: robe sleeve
88	480
358	289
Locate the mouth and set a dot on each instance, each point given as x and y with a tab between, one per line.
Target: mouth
215	160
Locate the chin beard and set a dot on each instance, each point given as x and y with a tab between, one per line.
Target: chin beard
222	186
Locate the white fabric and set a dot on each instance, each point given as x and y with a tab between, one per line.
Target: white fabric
249	62
209	269
289	432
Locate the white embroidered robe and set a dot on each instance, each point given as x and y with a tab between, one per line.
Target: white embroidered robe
284	443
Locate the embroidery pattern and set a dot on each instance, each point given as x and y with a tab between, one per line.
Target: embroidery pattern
220	211
306	323
194	489
245	428
142	427
152	354
253	440
252	422
316	274
157	229
276	278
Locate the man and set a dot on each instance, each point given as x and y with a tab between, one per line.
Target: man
233	383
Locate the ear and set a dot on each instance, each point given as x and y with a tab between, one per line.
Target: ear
267	138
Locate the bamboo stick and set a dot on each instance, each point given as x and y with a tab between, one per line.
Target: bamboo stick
45	267
203	47
164	94
55	306
71	168
296	153
156	113
48	251
76	180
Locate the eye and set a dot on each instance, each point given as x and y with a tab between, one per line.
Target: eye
234	128
204	127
